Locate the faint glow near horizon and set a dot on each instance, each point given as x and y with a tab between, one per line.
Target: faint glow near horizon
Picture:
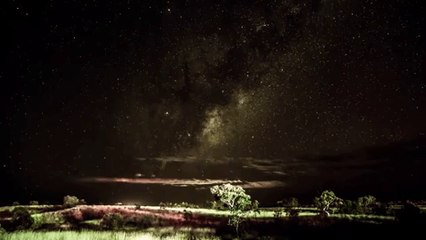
185	182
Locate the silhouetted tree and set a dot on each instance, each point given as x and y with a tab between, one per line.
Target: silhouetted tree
326	201
235	199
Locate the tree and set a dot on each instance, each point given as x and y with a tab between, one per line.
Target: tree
326	201
232	197
235	199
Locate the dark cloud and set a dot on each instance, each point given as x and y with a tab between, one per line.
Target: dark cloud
185	182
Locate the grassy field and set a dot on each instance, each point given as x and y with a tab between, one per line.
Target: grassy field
56	222
166	234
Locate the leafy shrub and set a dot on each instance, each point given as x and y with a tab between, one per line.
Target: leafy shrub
113	221
21	218
290	205
33	202
349	207
47	220
365	204
71	201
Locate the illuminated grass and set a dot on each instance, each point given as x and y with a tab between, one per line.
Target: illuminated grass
363	216
262	213
97	235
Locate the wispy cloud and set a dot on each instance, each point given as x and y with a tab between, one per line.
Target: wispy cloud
184	182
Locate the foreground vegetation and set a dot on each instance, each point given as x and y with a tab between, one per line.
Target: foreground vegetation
232	214
109	235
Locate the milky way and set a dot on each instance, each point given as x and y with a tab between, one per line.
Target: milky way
87	86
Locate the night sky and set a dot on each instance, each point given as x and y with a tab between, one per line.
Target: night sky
88	86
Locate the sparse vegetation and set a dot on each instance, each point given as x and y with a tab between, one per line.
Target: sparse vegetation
238	211
21	219
348	207
166	234
290	206
365	204
113	221
178	205
47	220
71	201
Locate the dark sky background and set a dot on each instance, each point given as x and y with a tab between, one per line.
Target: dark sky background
89	85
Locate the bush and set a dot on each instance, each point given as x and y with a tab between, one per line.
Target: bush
113	221
142	222
47	221
21	219
71	201
16	203
349	207
33	202
365	204
290	206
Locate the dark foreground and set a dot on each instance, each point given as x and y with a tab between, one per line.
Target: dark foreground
142	222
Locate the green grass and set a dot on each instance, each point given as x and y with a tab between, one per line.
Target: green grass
110	235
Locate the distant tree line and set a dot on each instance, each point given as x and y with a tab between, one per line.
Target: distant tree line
240	205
